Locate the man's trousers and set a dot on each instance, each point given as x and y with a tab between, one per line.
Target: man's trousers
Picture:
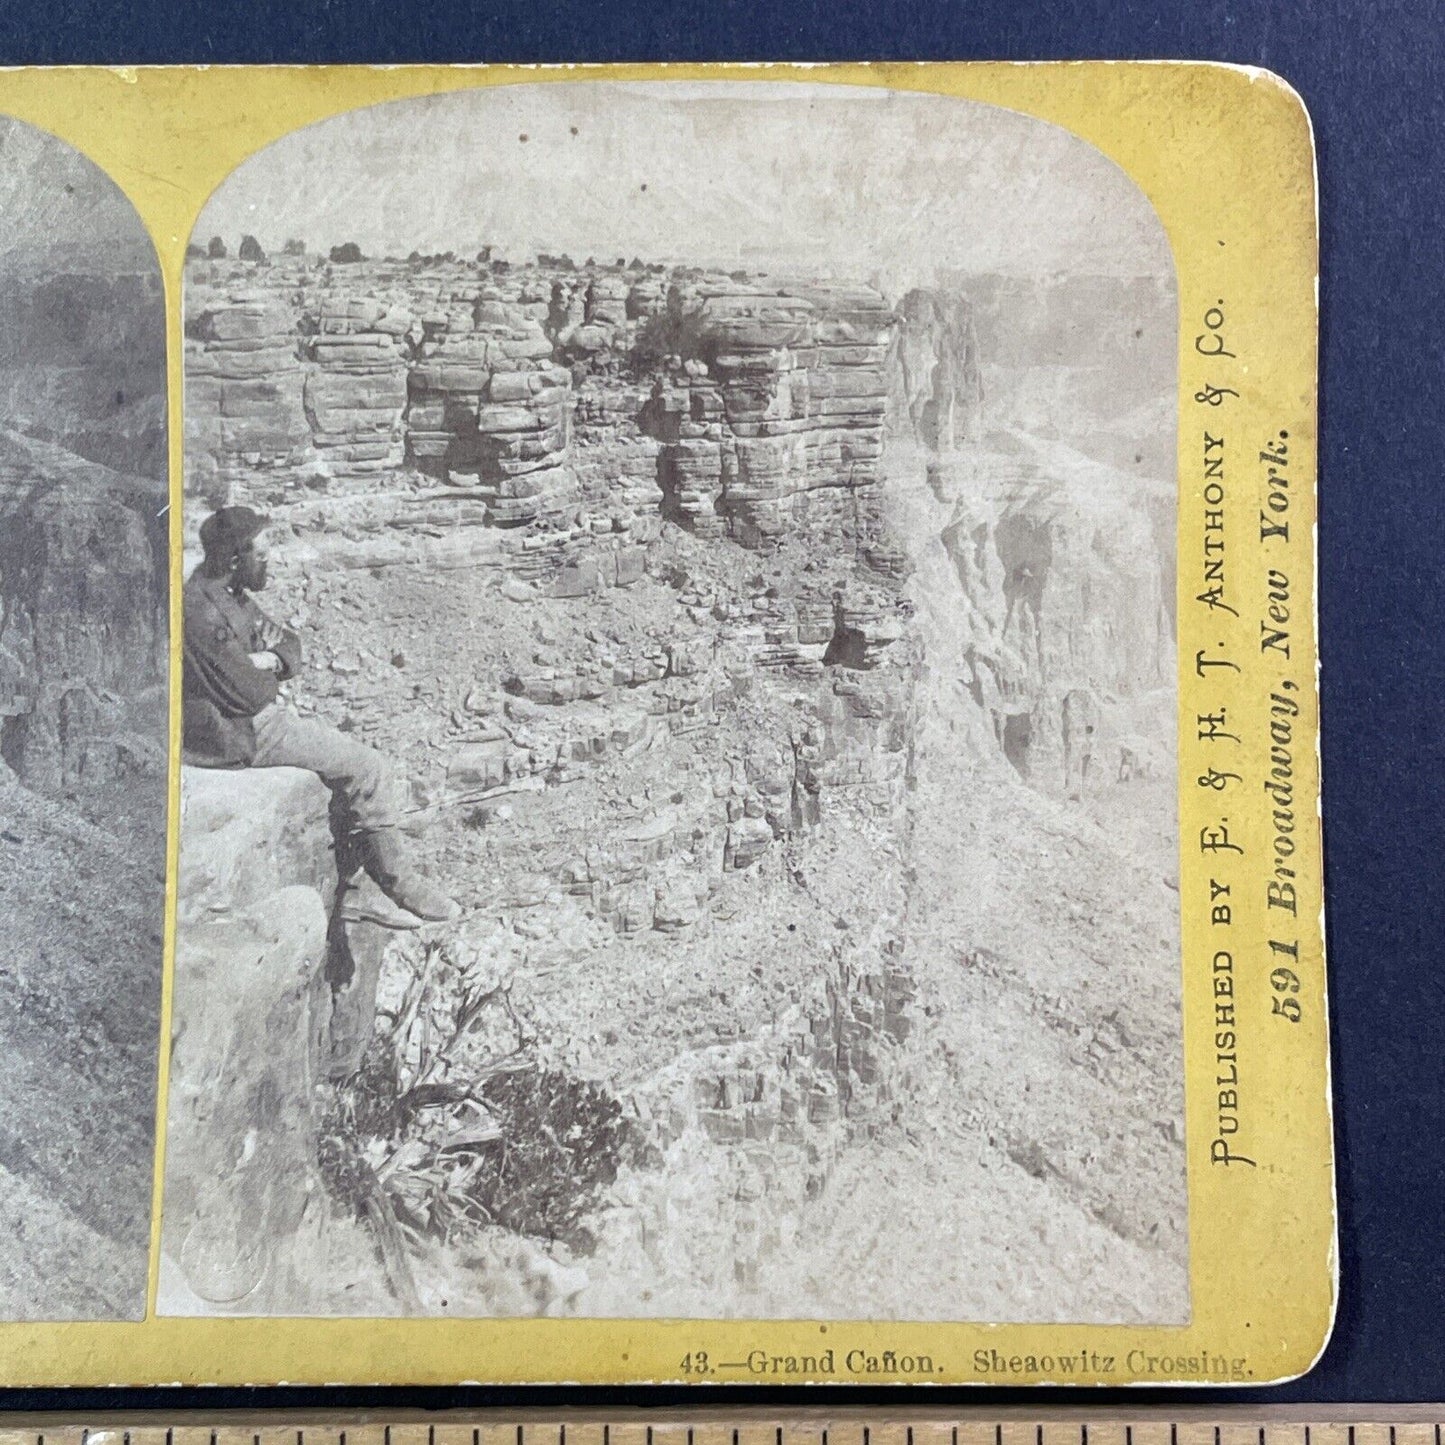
356	774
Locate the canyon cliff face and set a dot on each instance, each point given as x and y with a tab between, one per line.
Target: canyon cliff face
934	373
83	554
1065	616
774	419
82	619
82	364
1057	507
577	406
82	886
745	663
243	397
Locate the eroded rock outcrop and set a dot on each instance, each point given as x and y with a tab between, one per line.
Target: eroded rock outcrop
776	417
489	406
737	407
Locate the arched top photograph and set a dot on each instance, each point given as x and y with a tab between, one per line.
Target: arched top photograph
703	557
83	731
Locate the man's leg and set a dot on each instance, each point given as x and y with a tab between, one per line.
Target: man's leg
360	774
373	795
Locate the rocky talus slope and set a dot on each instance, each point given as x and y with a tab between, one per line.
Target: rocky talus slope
79	1005
792	737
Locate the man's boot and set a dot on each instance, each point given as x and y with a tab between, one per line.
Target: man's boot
396	874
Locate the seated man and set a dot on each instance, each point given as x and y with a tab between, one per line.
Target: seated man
235	660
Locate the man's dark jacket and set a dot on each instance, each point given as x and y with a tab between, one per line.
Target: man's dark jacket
222	690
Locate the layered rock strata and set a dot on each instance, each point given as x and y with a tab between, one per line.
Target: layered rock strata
244	407
735	407
780	395
487	406
355	396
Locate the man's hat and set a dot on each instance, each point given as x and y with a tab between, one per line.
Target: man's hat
227	530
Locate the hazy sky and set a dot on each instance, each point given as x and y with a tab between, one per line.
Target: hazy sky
842	180
60	211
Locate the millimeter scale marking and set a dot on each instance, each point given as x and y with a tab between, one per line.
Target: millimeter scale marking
1224	1425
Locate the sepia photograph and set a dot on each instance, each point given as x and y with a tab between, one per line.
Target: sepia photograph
679	804
83	718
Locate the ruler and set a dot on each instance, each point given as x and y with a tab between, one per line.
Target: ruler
1225	1425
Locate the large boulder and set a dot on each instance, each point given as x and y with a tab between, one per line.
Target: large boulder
246	1053
249	1037
246	833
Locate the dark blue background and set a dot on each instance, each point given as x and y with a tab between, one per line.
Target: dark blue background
1373	76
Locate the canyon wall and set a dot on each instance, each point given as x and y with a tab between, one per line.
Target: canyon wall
566	417
1065	614
83	552
83	363
82	619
